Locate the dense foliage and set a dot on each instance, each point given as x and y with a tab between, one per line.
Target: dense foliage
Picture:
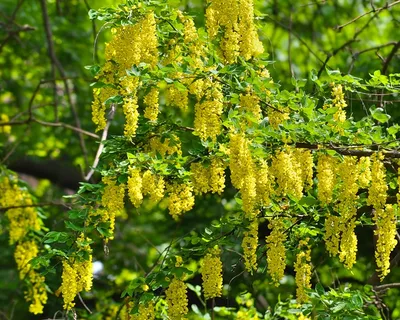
199	160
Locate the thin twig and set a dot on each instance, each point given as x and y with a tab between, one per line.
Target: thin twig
390	57
94	31
101	145
84	304
373	10
50	124
51	52
60	69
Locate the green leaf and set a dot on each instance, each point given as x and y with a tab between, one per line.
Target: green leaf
378	115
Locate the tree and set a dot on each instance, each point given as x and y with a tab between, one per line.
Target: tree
216	191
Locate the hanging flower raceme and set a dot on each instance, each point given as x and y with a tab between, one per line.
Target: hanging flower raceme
133	44
276	251
326	175
383	217
250	104
302	267
249	245
264	184
176	296
21	221
243	172
145	312
153	185
339	103
135	187
181	199
386	221
235	17
347	207
333	230
212	273
151	103
364	171
112	199
208	110
288	173
77	275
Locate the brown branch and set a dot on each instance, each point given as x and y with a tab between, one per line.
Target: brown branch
344	45
376	11
346	151
51	52
101	146
387	286
50	124
56	63
94	31
20	28
390	57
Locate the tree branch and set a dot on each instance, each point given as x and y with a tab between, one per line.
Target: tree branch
101	146
56	64
50	124
386	6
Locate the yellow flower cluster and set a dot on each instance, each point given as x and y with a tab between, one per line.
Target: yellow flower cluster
386	221
263	184
243	172
151	103
249	245
36	294
333	229
240	35
135	187
206	179
277	115
191	39
145	312
76	277
288	170
384	218
212	273
208	109
177	98
177	300
167	147
100	95
305	164
153	185
347	208
69	287
3	128
326	175
250	103
130	108
113	195
276	251
23	254
22	220
302	267
364	171
377	193
133	44
181	199
339	102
